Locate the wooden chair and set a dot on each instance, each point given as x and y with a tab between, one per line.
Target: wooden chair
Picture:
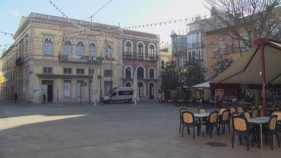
225	120
232	110
211	122
241	128
272	130
253	107
261	112
255	113
247	115
189	121
202	110
181	120
239	109
259	106
222	110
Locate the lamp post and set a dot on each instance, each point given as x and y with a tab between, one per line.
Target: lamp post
101	58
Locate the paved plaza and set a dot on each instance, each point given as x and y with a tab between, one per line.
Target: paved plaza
147	130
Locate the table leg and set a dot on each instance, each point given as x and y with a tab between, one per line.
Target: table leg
261	136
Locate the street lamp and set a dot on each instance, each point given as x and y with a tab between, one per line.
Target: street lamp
100	59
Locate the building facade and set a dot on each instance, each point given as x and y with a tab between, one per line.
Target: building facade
140	54
57	56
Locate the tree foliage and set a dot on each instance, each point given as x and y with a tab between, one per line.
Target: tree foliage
169	77
195	72
223	62
257	19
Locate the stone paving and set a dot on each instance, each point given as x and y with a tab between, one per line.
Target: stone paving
148	130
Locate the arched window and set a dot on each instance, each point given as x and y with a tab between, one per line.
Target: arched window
151	73
140	50
151	52
140	72
67	48
80	49
128	84
128	72
128	49
48	46
92	49
109	52
141	90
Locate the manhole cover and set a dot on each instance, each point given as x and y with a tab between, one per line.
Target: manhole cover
216	144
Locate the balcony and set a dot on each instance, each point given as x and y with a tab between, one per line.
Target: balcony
195	45
136	56
79	59
19	61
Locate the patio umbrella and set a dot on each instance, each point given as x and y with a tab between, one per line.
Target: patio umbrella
135	87
95	96
257	68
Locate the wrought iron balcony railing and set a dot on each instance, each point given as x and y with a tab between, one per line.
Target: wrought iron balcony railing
77	58
137	56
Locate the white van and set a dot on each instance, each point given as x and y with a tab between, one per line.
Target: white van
120	94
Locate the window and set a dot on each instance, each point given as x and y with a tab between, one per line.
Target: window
47	70
140	72
189	56
151	52
91	71
80	71
67	48
80	49
128	84
93	52
67	70
140	50
26	45
151	73
128	49
141	90
109	52
67	89
79	89
162	64
107	73
48	46
128	72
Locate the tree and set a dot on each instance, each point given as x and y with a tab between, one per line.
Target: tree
222	63
195	72
169	77
255	18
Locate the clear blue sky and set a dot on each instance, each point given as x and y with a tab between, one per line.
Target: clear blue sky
124	12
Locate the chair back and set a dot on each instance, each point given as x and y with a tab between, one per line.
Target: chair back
240	124
213	117
253	107
272	123
232	110
247	115
239	109
235	114
181	111
188	117
277	113
202	110
261	112
222	110
255	113
225	115
259	106
277	108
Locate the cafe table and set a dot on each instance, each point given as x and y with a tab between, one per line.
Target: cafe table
201	116
259	121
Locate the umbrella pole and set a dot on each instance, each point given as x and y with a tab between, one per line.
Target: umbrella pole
263	80
135	102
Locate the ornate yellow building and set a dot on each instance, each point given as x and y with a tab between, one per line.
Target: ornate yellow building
57	56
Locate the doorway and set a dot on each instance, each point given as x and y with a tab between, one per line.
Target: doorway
151	91
50	93
47	88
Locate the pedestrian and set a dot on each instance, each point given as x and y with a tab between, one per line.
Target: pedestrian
44	98
159	97
16	97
